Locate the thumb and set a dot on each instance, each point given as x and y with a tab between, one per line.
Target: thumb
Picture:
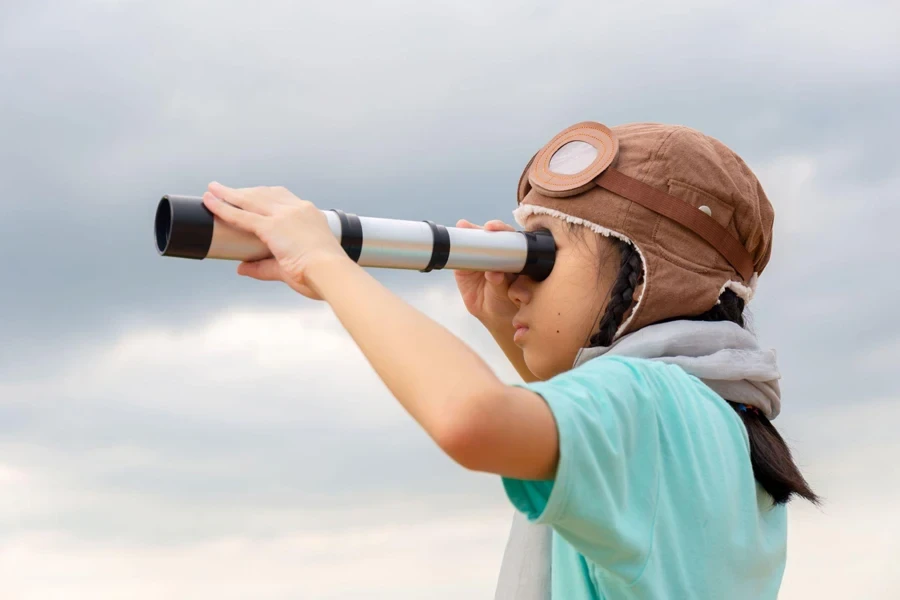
266	269
494	277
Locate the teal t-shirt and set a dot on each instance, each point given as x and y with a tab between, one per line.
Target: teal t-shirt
654	495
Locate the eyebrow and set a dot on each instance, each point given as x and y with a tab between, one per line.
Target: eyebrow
538	222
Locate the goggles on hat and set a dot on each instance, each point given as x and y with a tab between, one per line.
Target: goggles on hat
581	156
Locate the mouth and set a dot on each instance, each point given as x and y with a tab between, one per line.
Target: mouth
521	330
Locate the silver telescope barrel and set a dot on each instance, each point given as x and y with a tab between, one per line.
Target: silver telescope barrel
185	228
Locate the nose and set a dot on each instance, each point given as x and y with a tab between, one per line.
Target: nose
520	290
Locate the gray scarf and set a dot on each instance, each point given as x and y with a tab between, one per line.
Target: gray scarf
722	354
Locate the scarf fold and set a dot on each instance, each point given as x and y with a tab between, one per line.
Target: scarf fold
722	354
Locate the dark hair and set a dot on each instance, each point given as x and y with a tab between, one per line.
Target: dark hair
773	465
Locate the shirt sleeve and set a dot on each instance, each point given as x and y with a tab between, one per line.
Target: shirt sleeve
603	498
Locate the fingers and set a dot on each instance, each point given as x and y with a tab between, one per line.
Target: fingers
497	225
498	278
492	277
237	217
250	199
493	225
463	224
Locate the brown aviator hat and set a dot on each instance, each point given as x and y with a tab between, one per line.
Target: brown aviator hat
694	211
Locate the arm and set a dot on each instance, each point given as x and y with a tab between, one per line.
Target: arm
480	422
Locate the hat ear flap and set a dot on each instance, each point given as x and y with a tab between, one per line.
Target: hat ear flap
524	183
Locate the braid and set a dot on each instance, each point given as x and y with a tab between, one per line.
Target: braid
729	308
770	458
621	295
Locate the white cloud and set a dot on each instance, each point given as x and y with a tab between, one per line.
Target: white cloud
883	357
231	545
849	546
255	453
341	77
442	559
251	365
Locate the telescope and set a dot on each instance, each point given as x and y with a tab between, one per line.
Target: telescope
185	228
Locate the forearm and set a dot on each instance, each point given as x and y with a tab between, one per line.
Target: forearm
431	372
503	335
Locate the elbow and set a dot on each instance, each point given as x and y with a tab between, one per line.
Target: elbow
462	436
460	444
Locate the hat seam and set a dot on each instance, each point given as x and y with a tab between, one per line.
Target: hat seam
660	151
693	267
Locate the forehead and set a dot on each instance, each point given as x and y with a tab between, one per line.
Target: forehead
561	230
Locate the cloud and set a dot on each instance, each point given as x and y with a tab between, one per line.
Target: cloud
170	429
275	410
449	557
254	452
846	548
239	502
388	110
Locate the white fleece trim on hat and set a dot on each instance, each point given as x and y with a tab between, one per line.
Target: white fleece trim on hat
521	213
743	291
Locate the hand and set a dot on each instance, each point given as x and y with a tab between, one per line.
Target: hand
296	232
486	293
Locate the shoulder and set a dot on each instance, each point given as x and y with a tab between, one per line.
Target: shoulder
639	384
627	385
626	372
681	403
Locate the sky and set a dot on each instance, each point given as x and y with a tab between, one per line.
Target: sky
169	429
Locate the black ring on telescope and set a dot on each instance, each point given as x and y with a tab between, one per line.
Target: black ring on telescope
351	234
183	227
440	248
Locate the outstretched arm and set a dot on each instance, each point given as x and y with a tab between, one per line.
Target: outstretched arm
448	389
480	422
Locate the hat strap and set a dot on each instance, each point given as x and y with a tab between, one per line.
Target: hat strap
681	212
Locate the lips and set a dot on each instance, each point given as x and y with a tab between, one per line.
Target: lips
521	329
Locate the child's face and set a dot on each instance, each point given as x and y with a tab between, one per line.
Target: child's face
564	310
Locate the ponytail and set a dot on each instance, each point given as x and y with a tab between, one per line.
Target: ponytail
773	465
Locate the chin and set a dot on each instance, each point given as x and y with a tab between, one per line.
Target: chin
546	364
539	366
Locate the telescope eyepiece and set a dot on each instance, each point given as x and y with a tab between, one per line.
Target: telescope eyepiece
183	227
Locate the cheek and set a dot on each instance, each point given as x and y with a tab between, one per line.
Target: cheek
575	311
567	314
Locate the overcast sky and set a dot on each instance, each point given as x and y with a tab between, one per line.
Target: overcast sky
171	430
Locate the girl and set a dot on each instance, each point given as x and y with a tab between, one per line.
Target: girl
640	440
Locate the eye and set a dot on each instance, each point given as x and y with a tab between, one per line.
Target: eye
539	229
